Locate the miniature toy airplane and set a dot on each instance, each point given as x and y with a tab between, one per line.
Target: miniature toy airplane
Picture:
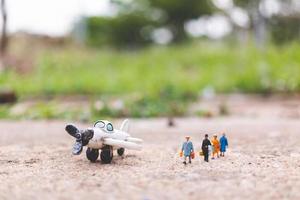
103	137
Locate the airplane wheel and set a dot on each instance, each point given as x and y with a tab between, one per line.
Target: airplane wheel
106	155
121	151
92	154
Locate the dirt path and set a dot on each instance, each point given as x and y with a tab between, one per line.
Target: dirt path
263	162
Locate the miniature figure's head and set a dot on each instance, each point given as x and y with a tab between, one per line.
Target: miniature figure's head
187	138
215	136
206	136
224	134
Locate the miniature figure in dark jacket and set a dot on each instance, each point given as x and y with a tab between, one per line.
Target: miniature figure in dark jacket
205	147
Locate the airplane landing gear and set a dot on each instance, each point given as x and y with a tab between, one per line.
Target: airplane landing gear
121	151
92	154
106	154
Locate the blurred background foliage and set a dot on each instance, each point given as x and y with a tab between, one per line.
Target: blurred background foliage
137	20
127	30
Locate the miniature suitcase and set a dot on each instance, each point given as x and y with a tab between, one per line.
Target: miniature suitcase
193	155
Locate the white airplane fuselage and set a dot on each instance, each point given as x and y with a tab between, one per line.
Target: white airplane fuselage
117	139
99	135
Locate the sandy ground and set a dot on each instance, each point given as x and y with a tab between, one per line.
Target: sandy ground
263	162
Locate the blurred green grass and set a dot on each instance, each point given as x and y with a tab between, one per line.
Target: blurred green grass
187	68
157	81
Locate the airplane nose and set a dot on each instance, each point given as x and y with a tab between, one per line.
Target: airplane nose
86	135
82	137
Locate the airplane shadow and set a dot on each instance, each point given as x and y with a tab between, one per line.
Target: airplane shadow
117	160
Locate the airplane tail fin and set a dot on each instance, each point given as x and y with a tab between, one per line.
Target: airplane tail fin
125	125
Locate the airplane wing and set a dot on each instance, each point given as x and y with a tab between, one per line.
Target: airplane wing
135	140
122	143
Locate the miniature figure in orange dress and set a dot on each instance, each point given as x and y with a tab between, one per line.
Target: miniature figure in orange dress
216	146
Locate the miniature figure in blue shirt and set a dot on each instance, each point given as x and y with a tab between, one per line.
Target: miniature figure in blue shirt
224	144
187	149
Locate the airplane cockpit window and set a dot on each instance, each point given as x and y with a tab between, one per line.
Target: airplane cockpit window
109	127
99	124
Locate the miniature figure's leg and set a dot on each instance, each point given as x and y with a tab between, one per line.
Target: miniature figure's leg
205	154
184	159
190	159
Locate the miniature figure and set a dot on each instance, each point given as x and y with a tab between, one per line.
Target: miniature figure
224	144
187	150
103	137
216	146
205	147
